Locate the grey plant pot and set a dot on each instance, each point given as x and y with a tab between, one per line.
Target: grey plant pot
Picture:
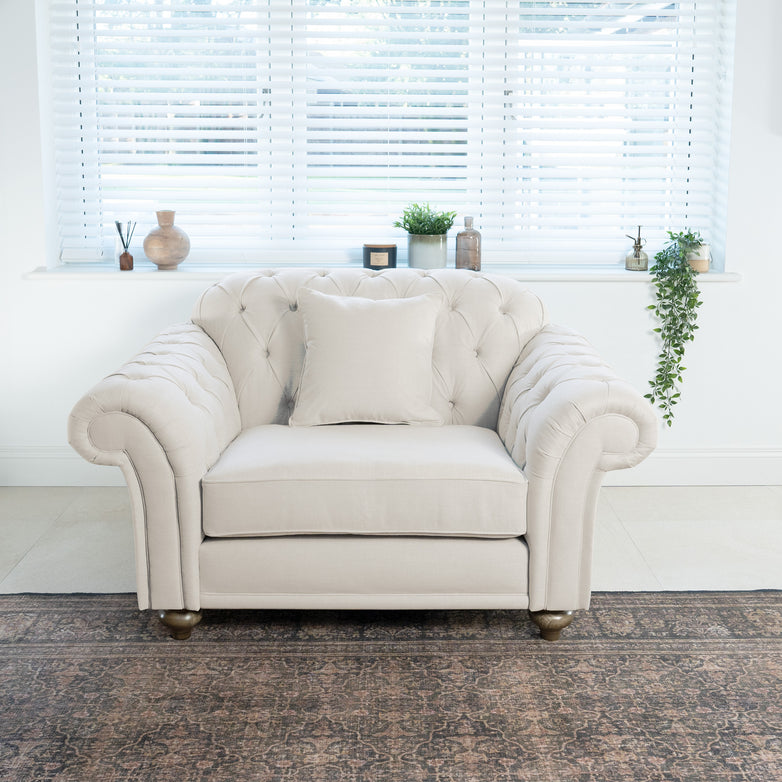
427	251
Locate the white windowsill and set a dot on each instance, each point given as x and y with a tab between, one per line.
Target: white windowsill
216	272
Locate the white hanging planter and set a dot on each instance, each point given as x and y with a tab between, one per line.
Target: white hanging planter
427	251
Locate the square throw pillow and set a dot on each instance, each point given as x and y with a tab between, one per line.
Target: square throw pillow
366	361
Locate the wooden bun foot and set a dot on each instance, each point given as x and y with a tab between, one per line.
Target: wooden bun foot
180	622
551	623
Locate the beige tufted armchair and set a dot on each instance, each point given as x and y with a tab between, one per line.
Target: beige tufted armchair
493	508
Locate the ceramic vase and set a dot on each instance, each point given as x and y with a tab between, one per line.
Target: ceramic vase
167	246
426	251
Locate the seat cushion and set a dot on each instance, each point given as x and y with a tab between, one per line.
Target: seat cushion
365	479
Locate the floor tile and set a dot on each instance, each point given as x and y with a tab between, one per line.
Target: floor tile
88	549
678	503
26	513
100	502
21	503
712	554
617	564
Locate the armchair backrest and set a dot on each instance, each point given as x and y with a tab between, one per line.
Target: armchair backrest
484	323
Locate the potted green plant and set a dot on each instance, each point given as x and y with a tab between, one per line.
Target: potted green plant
426	235
676	308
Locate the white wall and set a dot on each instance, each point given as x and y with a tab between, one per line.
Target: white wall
59	336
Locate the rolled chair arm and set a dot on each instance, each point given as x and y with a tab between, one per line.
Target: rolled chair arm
567	419
164	418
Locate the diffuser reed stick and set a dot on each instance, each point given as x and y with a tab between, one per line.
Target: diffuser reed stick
126	259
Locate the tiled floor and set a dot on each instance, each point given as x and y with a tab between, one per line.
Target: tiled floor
653	538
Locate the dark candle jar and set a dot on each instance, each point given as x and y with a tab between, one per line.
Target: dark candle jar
379	256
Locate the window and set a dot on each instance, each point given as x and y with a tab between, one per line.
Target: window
296	131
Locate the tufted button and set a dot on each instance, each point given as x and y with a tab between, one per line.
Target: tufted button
450	403
293	306
266	353
476	352
243	308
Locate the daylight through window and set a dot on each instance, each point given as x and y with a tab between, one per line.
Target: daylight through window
296	131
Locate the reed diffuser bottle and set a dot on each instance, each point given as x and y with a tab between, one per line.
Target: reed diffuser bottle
125	258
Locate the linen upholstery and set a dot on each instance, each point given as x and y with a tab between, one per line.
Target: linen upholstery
164	418
170	414
365	480
483	326
349	572
366	360
566	419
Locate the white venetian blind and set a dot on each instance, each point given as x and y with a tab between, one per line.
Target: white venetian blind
296	131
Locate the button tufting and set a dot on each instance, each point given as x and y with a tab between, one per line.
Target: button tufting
293	306
243	308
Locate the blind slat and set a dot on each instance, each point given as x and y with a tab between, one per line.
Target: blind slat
273	125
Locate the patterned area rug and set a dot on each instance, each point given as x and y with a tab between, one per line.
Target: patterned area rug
644	686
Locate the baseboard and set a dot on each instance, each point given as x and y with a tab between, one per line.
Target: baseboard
54	466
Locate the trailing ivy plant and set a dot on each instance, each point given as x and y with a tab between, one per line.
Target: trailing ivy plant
422	219
676	308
